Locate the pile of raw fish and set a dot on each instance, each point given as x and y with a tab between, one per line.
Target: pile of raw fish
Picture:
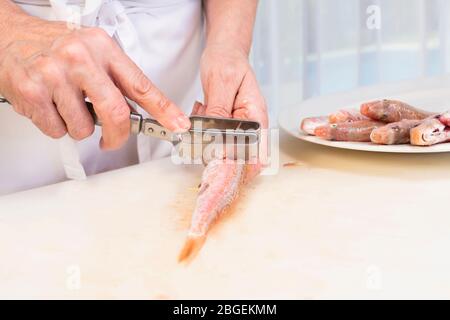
387	122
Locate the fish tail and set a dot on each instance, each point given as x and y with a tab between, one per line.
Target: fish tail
191	247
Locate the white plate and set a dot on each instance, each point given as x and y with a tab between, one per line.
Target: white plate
433	98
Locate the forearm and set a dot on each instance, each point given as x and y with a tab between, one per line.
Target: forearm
11	17
17	25
230	23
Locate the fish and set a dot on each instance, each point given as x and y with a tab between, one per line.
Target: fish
308	125
430	132
346	115
392	111
394	133
358	131
221	182
445	118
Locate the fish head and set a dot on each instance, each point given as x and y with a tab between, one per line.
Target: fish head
327	132
429	132
378	109
308	125
386	134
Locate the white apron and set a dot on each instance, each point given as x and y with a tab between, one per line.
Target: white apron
164	37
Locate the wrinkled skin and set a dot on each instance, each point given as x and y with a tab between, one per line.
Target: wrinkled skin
47	74
230	86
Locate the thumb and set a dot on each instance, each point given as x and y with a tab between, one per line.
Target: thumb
250	103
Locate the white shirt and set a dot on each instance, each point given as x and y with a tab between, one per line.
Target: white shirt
164	37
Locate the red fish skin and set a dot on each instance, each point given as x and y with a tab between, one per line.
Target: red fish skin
346	115
445	118
394	133
358	131
308	125
392	111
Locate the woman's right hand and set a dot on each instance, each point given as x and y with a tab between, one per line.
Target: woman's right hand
47	70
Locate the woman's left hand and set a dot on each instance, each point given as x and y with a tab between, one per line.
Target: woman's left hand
230	86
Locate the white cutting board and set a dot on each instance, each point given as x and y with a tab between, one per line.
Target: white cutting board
335	224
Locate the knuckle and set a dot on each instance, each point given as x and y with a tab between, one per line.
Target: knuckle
142	86
73	50
47	66
163	104
57	133
98	35
48	128
82	132
119	113
147	91
218	111
31	92
21	110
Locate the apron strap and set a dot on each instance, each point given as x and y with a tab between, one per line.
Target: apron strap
113	18
109	15
71	159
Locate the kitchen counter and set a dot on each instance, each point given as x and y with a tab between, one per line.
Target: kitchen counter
331	224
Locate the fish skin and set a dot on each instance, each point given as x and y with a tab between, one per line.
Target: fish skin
394	133
346	115
445	118
392	111
219	188
308	125
358	131
430	132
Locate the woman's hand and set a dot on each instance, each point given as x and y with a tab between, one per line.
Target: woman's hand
231	90
230	86
47	70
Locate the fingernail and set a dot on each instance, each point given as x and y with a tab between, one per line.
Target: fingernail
183	122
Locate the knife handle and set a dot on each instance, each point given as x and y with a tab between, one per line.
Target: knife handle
135	119
149	127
